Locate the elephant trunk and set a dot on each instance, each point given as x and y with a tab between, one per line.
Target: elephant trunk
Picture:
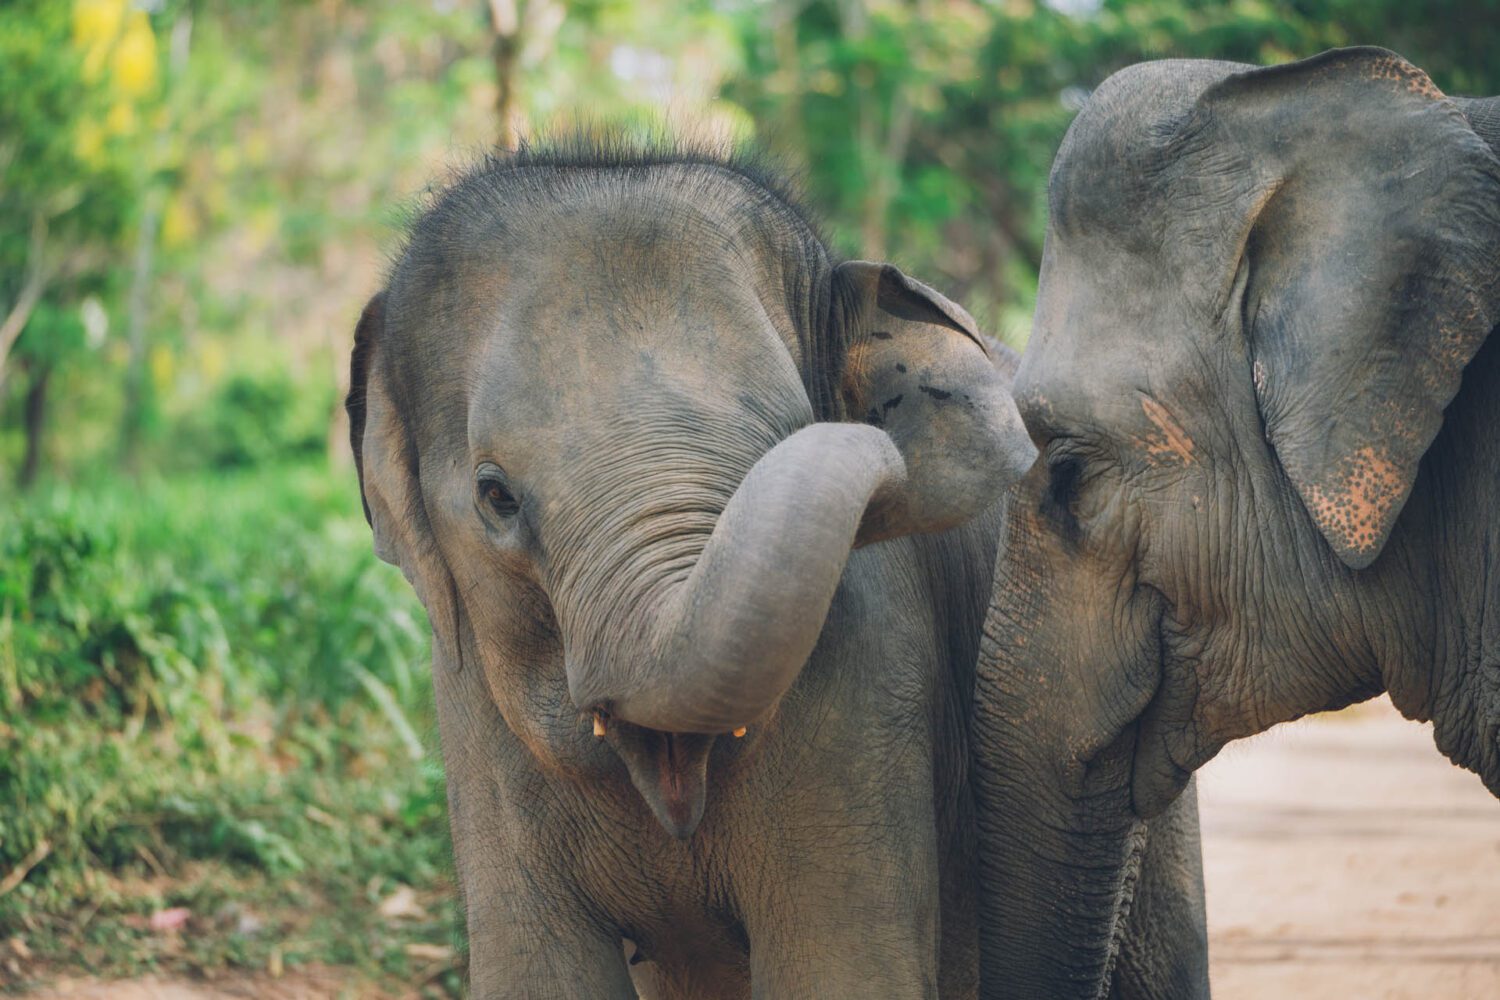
720	647
1059	841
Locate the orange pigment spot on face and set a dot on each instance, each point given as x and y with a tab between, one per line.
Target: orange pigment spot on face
1353	509
1172	442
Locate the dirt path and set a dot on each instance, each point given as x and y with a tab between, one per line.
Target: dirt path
314	985
1346	858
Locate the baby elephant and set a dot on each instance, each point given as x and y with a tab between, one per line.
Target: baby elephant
629	432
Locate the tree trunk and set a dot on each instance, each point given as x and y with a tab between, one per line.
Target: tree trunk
32	286
138	304
34	419
505	21
135	372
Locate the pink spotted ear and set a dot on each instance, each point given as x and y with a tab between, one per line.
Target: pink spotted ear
1373	256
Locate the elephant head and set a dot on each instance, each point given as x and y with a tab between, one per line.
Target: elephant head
620	421
1260	290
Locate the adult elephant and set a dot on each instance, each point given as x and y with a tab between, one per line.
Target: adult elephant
1267	399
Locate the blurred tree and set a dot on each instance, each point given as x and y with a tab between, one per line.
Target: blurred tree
524	32
926	127
227	202
74	80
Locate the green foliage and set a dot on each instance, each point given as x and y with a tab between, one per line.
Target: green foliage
213	672
251	421
58	158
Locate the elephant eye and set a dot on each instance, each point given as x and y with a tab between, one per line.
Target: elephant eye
1060	503
495	492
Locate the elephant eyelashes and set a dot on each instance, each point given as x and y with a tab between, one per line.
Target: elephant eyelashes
495	493
1062	496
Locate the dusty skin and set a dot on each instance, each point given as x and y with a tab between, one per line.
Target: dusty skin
1345	857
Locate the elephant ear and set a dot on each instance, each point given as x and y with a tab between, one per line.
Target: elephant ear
388	465
917	367
1370	270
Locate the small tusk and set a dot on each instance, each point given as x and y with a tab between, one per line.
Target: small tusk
599	724
739	732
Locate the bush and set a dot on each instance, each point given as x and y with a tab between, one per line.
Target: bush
252	421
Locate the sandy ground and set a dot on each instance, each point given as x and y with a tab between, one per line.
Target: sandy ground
1344	858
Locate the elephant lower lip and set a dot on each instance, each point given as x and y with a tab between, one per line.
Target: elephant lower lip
669	770
675	791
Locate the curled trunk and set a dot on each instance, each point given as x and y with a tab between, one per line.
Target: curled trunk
726	643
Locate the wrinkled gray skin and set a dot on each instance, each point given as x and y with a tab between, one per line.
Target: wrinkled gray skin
1267	396
629	433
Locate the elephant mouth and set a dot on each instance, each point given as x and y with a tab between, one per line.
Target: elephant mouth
1158	775
669	770
1156	778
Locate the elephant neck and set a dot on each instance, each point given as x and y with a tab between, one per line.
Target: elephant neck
1440	613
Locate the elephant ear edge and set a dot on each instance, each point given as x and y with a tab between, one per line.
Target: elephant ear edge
1374	274
371	319
387	465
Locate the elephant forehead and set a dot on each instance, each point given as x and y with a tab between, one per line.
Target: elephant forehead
577	378
1115	153
1108	328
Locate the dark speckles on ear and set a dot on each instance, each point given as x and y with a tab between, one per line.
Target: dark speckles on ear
1356	504
935	393
901	368
880	334
1400	71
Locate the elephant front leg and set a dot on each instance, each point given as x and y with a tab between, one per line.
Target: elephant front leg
856	946
520	948
530	934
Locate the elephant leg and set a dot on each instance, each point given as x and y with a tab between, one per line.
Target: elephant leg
525	943
1164	952
849	908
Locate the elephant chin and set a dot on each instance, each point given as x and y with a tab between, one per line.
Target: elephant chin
669	770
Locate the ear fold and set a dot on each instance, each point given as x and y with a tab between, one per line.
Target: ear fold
917	367
388	465
1370	272
371	320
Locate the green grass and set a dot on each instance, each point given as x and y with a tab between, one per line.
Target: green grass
213	696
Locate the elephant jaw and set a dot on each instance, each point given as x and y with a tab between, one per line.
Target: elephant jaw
669	770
